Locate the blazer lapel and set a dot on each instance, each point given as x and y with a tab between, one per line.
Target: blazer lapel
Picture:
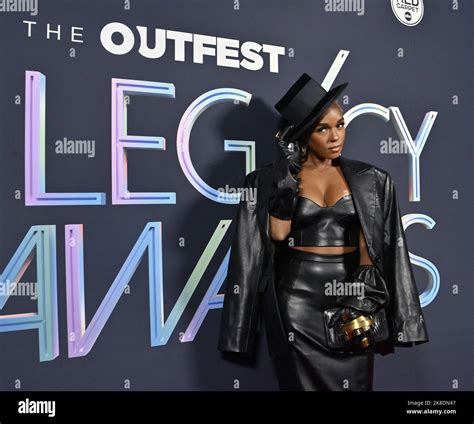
263	196
362	186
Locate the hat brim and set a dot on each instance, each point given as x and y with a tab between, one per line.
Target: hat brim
317	112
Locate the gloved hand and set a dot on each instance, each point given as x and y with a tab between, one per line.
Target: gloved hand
285	181
376	294
356	327
290	150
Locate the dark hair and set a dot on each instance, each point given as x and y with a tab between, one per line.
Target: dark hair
303	144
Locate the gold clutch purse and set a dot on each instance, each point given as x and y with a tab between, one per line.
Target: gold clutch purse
337	338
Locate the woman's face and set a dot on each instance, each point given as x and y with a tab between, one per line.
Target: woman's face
327	138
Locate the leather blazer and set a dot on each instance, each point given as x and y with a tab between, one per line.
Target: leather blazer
249	292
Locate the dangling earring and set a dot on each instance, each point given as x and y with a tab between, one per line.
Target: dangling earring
304	147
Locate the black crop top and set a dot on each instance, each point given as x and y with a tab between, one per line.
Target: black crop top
314	225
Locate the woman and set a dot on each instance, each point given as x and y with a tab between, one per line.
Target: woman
318	230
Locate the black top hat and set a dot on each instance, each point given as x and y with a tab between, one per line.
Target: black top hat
304	103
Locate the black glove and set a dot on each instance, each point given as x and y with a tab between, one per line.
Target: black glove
356	328
290	150
285	181
375	290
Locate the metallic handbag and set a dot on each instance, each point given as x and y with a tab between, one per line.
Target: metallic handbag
337	339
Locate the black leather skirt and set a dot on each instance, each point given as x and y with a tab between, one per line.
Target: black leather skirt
303	296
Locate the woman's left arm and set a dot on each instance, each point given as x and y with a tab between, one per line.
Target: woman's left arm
375	290
364	258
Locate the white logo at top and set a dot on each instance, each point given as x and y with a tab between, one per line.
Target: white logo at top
408	12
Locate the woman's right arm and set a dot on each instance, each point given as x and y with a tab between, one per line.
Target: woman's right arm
285	186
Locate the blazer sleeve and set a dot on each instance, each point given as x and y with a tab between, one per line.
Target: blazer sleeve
405	309
241	311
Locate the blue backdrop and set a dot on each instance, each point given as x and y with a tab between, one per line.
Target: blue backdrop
63	70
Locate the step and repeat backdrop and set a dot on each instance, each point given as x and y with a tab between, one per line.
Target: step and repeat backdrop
126	130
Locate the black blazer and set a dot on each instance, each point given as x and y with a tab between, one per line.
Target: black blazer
250	291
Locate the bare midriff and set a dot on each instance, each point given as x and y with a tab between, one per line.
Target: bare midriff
332	250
